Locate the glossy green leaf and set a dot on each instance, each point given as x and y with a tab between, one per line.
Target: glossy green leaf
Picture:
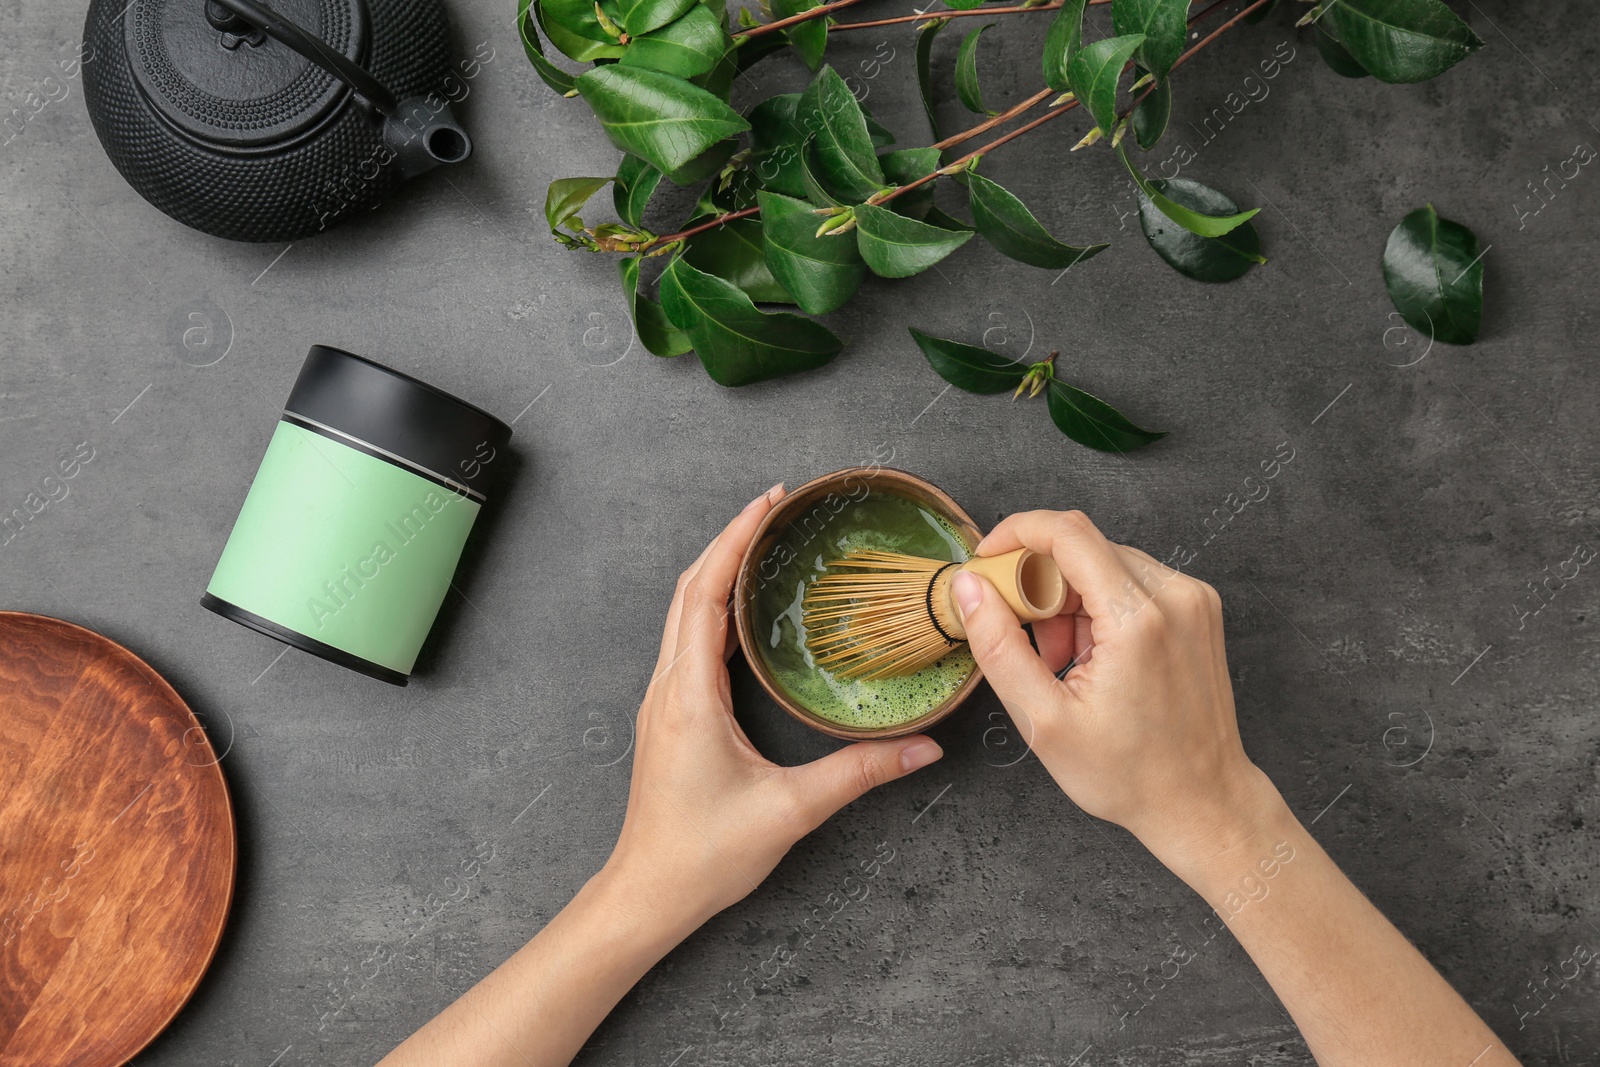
1094	71
936	217
906	166
822	273
1260	13
639	17
1205	259
688	46
810	183
636	180
737	343
1193	221
566	196
967	90
977	370
705	164
1090	421
548	72
963	5
650	323
877	131
1151	115
1008	225
752	50
898	247
580	18
736	252
660	118
1164	24
1433	269
847	163
1401	40
810	39
776	139
1061	42
925	35
1336	56
572	27
718	81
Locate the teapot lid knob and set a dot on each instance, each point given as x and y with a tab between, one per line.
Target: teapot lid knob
223	82
225	20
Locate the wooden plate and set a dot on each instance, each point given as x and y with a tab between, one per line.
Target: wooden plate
117	848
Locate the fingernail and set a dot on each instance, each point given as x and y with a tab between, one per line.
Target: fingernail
919	754
774	492
762	499
968	591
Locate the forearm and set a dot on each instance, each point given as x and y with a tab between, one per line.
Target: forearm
1357	989
539	1007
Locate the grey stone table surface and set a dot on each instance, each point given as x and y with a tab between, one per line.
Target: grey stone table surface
1441	742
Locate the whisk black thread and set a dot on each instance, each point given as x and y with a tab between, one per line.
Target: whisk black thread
927	603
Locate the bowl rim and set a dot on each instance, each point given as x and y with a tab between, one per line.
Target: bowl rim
780	516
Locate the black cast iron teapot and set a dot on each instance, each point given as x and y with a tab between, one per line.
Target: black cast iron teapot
271	124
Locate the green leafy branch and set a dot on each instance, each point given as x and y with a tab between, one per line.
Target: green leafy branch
802	195
1086	419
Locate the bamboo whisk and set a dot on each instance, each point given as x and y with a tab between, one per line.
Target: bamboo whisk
883	614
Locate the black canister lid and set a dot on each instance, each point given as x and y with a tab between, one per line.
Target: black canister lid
399	418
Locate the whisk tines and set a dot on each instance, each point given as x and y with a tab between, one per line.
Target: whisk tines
881	614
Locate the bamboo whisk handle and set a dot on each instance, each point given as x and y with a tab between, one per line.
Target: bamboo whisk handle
1031	585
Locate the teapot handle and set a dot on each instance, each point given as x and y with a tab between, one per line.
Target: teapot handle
313	48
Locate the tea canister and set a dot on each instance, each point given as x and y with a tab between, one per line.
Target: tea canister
349	537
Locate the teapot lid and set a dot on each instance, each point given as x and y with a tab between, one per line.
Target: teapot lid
239	90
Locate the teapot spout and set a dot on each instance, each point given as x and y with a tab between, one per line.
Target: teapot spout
423	134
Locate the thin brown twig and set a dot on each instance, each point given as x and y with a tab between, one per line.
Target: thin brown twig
1033	101
805	16
1040	97
998	120
951	168
702	228
1057	112
925	16
1218	32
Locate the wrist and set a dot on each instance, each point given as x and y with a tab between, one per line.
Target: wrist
1216	844
644	903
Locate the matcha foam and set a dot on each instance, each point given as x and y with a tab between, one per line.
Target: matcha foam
837	526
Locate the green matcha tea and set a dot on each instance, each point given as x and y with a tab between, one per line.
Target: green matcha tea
839	524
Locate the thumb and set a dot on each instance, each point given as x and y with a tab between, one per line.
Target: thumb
1015	671
836	779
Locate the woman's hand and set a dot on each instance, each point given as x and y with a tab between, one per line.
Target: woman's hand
709	816
1141	729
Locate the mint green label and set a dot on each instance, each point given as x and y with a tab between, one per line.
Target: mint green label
344	548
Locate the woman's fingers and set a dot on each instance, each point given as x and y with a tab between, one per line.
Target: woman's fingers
671	647
703	618
1056	639
828	784
1014	670
1091	564
669	632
